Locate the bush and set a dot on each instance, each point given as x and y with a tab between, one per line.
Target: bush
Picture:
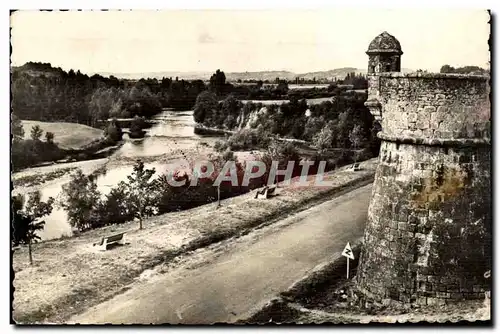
136	128
113	131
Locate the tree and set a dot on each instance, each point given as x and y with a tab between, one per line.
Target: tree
357	137
231	107
217	82
36	133
17	127
81	200
323	139
137	126
342	129
115	208
114	131
49	137
206	105
141	192
26	222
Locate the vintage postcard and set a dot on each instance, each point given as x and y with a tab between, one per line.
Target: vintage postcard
251	166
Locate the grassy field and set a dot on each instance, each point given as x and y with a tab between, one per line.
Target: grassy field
67	135
69	275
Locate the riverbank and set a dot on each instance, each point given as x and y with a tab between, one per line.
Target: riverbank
72	142
69	275
205	130
68	136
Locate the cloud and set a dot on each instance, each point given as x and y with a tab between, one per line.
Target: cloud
205	38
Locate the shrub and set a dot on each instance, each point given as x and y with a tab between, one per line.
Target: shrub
136	128
113	131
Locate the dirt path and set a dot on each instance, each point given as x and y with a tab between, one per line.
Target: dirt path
228	283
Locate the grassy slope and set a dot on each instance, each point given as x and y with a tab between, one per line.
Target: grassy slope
67	135
69	275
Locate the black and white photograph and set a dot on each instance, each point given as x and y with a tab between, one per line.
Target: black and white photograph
267	166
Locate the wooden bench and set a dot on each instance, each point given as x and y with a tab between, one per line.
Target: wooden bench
117	239
265	192
355	167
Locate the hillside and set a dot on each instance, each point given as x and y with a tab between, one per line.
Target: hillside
66	135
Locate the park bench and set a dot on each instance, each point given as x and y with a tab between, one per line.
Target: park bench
265	192
355	167
117	239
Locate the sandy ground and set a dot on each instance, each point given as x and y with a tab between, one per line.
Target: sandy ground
69	275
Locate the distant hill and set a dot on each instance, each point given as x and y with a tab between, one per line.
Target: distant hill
235	76
339	73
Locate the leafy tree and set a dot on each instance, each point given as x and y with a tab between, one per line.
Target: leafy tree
313	126
206	104
343	129
36	133
137	126
115	208
49	137
81	200
116	109
357	137
141	192
26	222
323	139
217	82
17	127
231	107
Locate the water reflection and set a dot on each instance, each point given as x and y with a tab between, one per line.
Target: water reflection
172	131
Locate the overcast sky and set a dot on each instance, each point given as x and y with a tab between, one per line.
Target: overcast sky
298	41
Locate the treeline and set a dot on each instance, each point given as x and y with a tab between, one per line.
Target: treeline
296	119
41	92
463	70
280	90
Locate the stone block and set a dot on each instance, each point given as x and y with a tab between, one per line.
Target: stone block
412	117
422	301
429	109
435	301
442	294
456	295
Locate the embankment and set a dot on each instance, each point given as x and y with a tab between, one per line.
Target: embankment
70	275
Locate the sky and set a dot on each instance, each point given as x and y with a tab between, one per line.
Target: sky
238	41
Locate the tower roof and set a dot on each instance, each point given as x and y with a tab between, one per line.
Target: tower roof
385	43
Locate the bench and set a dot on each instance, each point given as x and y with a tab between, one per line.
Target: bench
265	192
117	239
355	167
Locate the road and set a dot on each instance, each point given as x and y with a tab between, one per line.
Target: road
231	283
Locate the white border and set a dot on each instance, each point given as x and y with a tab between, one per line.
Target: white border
185	4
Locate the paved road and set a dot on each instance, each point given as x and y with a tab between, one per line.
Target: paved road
249	272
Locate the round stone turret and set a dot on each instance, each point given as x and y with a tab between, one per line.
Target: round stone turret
384	54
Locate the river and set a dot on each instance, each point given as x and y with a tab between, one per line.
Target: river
169	141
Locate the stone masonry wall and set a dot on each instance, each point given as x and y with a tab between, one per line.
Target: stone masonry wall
428	235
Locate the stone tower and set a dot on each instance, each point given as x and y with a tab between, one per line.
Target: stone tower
384	54
428	234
